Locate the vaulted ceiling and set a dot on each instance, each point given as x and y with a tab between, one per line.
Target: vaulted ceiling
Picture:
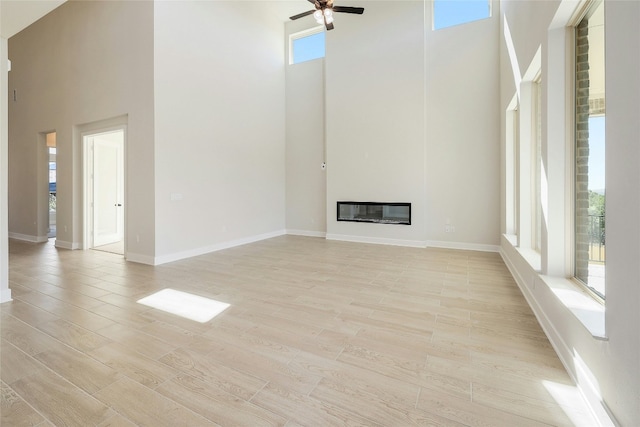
16	15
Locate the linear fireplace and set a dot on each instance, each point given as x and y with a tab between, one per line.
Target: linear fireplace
377	212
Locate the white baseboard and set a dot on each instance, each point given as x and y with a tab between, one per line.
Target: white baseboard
28	238
306	233
217	247
462	246
5	295
588	391
376	240
67	245
139	258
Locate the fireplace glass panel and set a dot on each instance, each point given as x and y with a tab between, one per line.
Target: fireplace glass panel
383	213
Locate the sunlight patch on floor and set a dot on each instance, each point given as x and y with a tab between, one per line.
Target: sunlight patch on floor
571	402
185	305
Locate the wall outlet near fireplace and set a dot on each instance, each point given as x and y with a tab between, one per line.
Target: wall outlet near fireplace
449	228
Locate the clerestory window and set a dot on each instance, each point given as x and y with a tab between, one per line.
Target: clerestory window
306	45
447	13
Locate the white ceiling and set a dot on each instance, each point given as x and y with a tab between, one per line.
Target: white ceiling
16	15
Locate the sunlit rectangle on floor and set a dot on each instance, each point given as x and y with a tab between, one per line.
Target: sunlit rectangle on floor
184	304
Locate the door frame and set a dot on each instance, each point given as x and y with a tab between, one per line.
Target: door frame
87	161
42	188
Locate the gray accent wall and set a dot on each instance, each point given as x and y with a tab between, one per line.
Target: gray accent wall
85	62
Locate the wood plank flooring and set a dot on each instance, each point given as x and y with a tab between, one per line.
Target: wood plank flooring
319	333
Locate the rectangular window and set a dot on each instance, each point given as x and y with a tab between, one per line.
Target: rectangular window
511	163
447	13
306	45
589	234
537	166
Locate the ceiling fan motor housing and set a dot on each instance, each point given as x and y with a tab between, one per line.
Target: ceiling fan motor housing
324	10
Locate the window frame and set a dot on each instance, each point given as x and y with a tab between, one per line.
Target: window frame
512	156
433	16
536	164
301	35
587	9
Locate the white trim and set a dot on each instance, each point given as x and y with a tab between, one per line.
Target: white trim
307	233
213	248
580	303
5	295
462	246
85	132
512	145
590	395
377	240
67	245
28	238
140	258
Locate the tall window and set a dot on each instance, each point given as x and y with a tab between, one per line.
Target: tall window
512	160
537	166
590	236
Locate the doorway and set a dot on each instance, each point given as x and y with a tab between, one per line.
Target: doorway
104	190
50	139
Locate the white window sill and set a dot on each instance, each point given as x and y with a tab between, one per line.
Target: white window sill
582	305
531	256
511	238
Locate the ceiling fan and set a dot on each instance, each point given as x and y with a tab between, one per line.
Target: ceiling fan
324	10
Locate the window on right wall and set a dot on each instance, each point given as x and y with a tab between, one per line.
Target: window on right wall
589	166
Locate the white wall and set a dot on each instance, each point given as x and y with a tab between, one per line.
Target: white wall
463	137
619	361
605	369
306	191
82	63
5	292
412	116
220	125
375	117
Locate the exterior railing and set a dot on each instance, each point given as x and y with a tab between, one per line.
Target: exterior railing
597	238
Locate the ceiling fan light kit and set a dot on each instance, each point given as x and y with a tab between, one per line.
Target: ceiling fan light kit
323	12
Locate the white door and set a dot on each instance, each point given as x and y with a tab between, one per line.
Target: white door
108	190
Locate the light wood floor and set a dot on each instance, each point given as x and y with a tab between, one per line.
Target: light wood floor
319	333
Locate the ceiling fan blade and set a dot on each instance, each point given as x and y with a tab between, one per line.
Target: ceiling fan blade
301	15
347	9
